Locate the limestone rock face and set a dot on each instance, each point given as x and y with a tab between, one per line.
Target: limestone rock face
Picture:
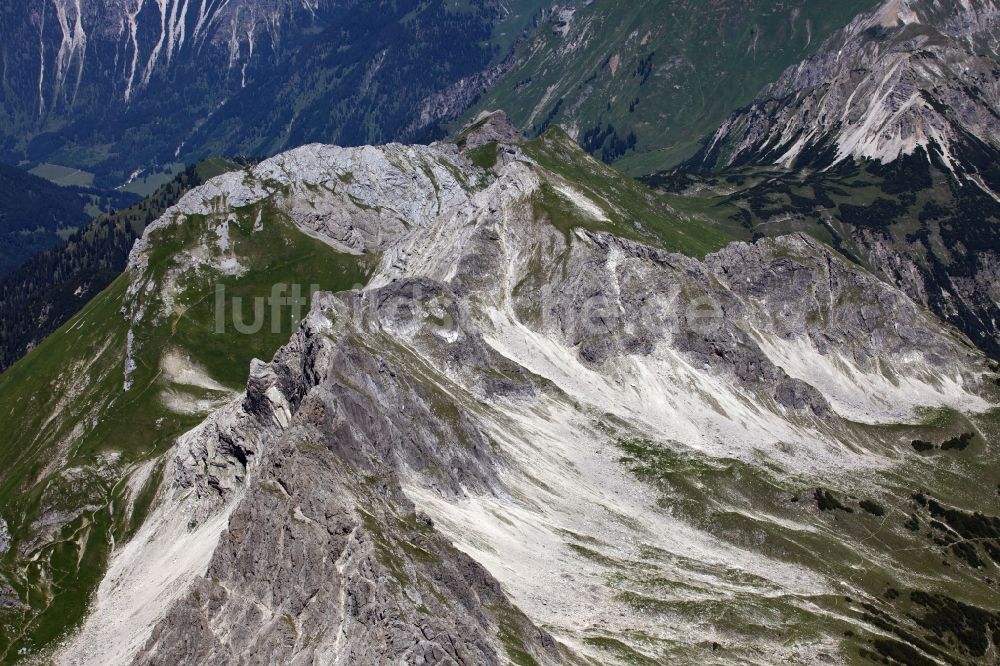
490	126
471	458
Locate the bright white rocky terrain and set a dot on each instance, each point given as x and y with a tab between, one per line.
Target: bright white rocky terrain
532	442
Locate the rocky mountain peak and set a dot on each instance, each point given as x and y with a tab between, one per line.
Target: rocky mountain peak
489	127
530	354
490	401
909	75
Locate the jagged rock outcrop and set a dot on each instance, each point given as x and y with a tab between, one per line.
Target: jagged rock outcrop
490	127
315	551
324	557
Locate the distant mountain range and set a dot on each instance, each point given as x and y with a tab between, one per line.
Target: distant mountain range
909	75
885	143
639	84
114	87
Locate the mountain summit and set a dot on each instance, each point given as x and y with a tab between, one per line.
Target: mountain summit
884	144
534	411
489	400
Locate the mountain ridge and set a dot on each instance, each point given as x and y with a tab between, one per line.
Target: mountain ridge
490	400
527	355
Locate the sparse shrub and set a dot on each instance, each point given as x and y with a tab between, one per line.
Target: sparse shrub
959	443
872	507
827	502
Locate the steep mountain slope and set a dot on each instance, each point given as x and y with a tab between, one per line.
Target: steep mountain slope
910	74
885	144
563	419
915	224
46	290
114	86
81	452
639	83
32	212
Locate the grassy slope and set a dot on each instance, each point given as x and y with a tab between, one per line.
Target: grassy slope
634	211
75	436
702	60
878	562
72	434
45	291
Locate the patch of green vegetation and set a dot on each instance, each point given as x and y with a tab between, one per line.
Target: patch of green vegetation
63	175
462	137
873	507
214	166
934	625
630	209
75	566
276	257
759	507
620	650
142	504
970	525
418	553
826	501
645	603
959	443
485	156
151	180
386	549
510	635
593	555
901	653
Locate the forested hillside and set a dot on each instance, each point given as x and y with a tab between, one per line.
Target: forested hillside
42	294
640	83
32	213
111	88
